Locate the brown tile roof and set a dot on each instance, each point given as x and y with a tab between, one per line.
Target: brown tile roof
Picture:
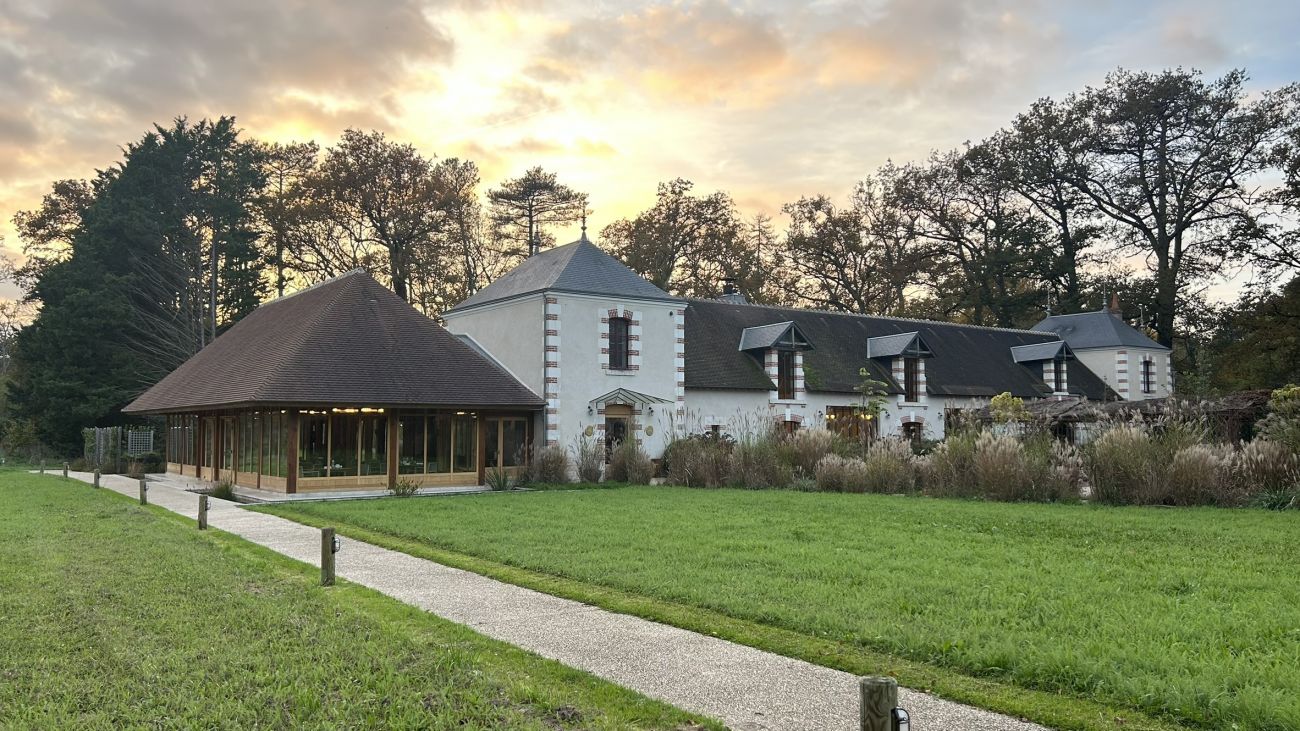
347	341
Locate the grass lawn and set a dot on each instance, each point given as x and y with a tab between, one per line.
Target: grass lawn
117	616
1075	616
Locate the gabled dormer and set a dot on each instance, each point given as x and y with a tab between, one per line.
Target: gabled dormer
781	346
1053	357
906	354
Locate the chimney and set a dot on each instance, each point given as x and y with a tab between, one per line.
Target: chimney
730	293
1114	304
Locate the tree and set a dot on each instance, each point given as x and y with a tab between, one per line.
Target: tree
522	209
1257	343
46	232
374	204
1029	158
472	263
865	258
286	165
987	246
1168	157
688	245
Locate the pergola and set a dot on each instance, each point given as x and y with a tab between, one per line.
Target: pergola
341	386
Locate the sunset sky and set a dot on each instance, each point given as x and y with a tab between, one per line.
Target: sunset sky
766	100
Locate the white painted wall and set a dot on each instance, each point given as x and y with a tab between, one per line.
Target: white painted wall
512	332
1121	369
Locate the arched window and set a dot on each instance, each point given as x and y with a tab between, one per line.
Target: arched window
618	343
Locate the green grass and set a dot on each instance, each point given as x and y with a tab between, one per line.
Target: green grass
1080	617
113	615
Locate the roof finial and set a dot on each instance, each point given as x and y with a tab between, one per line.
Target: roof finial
584	225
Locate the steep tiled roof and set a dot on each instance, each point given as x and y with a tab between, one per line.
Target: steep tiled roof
577	267
347	341
967	360
1098	329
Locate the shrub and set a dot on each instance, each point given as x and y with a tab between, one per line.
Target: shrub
806	447
841	474
1201	474
629	463
152	462
1122	466
590	457
497	479
1286	498
1001	469
549	465
1282	425
405	487
803	484
224	490
697	461
947	471
1065	475
1265	466
756	465
889	466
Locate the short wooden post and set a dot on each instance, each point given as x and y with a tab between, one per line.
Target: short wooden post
42	467
327	557
96	483
203	512
879	698
144	492
65	470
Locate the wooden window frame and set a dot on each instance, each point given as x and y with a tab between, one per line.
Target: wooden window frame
911	380
620	329
1058	376
785	380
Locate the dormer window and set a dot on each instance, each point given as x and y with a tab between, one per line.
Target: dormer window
618	343
785	374
1058	375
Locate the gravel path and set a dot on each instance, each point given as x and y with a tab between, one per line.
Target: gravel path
746	688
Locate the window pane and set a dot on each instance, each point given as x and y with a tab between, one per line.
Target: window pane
492	449
313	445
343	445
514	440
439	443
911	379
410	444
465	443
785	374
618	344
374	445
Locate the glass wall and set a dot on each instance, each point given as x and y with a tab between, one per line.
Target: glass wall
275	461
514	442
182	430
410	444
313	445
374	445
439	444
464	443
250	425
343	445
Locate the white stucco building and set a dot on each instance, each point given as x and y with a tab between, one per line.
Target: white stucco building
1132	364
616	357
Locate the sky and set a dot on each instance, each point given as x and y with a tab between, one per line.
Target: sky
767	100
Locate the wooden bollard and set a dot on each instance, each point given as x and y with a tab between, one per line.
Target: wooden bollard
65	470
203	512
144	492
96	483
327	557
879	698
42	467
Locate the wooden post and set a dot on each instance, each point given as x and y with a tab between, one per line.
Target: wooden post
327	557
65	470
96	477
203	512
879	698
42	467
144	492
392	430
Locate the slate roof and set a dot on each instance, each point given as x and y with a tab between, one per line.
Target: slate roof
766	336
1097	329
580	267
1039	352
967	360
346	341
888	346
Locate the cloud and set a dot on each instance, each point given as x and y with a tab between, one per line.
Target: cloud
709	52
